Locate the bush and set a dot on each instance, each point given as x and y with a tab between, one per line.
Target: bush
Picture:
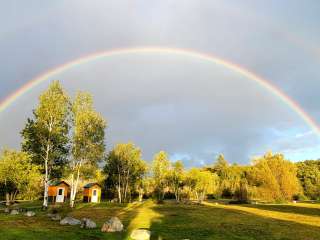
60	209
211	196
157	201
169	195
226	193
241	194
239	202
299	197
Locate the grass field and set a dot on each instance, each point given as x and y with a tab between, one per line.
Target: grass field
176	221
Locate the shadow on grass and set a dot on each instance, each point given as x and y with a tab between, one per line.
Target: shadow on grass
205	222
42	227
166	221
287	209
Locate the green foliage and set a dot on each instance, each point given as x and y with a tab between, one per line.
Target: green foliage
18	175
242	192
160	172
176	178
309	176
125	169
274	177
88	130
229	176
88	138
45	136
201	182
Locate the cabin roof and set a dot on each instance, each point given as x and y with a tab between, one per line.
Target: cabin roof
89	185
57	183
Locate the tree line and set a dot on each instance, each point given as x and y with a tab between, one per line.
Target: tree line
65	139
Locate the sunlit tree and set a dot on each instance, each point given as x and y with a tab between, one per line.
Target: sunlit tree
125	169
309	175
88	138
201	182
275	177
45	136
176	177
160	171
18	175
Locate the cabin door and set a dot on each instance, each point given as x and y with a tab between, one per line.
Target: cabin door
94	197
60	195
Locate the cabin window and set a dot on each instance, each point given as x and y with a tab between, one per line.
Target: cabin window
60	191
94	192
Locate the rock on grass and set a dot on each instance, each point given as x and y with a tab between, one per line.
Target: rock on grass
14	212
30	213
140	234
112	225
70	221
88	223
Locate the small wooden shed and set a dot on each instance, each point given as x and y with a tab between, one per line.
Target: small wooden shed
92	192
58	191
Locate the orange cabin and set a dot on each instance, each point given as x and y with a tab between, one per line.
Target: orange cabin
92	192
58	191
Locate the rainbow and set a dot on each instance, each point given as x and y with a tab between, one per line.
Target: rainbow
159	50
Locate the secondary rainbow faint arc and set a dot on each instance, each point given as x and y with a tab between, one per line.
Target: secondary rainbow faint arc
177	51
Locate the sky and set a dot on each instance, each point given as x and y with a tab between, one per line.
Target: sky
191	108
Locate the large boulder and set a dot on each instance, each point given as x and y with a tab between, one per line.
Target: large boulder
30	213
7	210
14	212
140	234
70	221
112	225
88	223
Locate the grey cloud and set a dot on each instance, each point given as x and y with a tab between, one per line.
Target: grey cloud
175	103
187	107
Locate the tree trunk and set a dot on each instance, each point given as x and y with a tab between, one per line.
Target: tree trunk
176	193
197	196
46	178
201	197
126	187
7	199
13	195
159	194
140	194
162	191
7	193
45	196
72	190
119	187
75	185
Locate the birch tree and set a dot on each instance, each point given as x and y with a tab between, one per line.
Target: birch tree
88	145
201	182
125	168
160	170
45	136
176	178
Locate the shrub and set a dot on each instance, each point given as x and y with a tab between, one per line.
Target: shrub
299	197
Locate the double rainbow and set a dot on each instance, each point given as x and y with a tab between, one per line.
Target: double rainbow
157	50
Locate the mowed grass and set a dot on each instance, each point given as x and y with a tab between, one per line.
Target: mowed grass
175	221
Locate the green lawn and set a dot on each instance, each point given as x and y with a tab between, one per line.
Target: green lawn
176	221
